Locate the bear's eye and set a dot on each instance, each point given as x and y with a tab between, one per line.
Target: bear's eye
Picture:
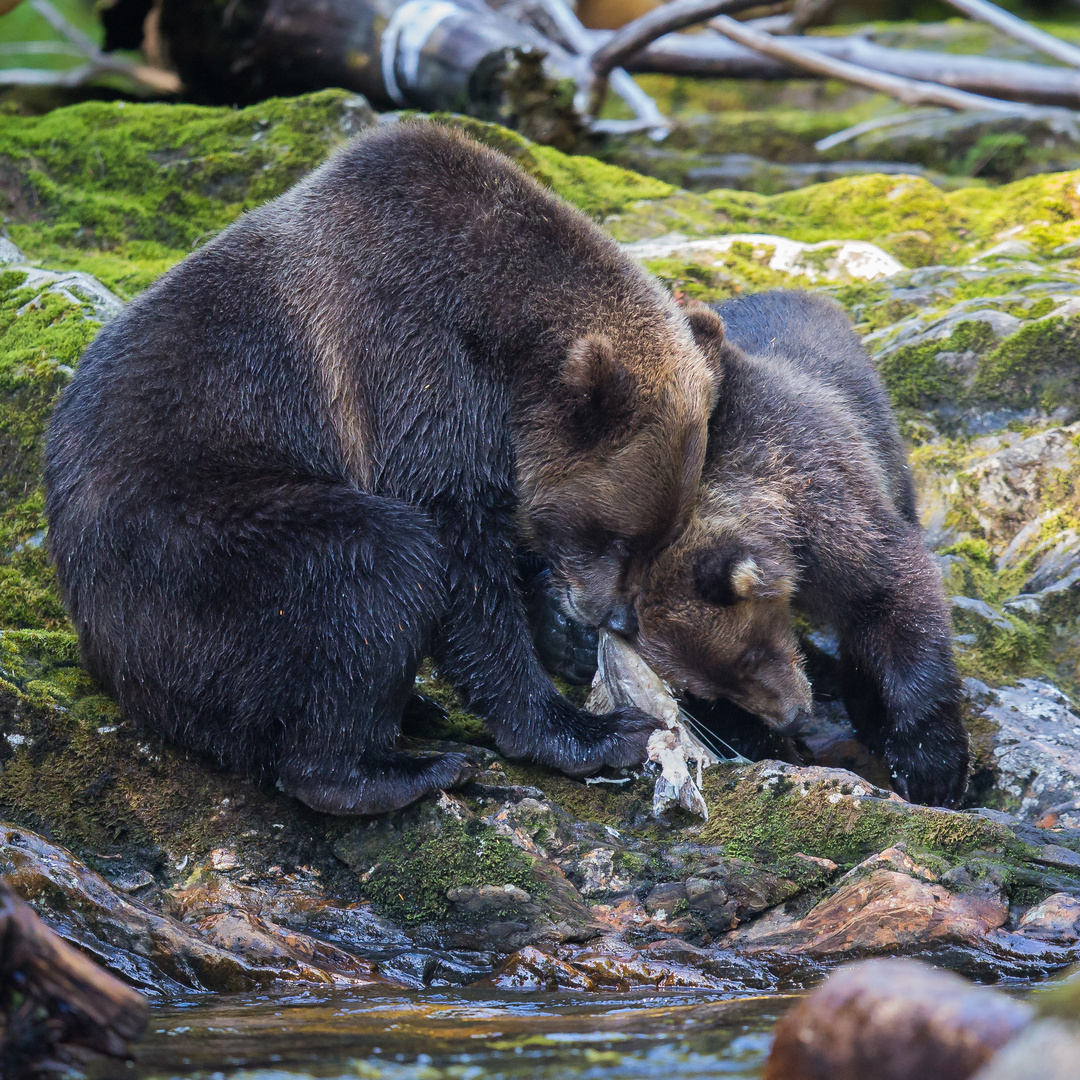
617	548
751	660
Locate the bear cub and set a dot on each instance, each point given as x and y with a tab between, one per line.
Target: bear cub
807	502
303	460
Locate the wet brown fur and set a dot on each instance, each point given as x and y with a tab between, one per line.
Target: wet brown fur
302	460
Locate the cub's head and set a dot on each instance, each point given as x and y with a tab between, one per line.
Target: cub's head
609	464
714	619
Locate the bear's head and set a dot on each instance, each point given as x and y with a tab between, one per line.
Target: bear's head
714	619
610	465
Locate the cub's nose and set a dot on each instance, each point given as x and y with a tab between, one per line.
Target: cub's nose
623	620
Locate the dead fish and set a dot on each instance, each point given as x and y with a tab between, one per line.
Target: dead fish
623	678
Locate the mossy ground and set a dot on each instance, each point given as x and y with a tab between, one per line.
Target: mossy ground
772	821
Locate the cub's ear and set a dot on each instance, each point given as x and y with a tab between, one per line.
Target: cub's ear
708	330
706	326
603	392
728	574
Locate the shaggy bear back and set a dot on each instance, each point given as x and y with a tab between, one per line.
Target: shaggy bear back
301	459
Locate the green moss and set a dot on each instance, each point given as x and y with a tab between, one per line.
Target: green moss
457	725
413	876
916	379
771	822
1035	367
124	190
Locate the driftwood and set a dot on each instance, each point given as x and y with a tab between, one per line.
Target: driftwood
1017	28
557	21
909	91
53	997
672	16
502	58
713	56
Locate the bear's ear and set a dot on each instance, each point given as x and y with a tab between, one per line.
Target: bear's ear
602	391
708	330
706	326
728	574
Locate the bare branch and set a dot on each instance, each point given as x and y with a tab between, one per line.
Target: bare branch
1023	31
876	124
98	63
579	41
909	91
676	15
62	26
715	56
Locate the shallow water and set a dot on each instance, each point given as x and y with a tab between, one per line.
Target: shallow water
459	1034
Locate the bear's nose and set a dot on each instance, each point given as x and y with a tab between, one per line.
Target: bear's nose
623	620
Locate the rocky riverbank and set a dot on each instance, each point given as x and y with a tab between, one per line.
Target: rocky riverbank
180	877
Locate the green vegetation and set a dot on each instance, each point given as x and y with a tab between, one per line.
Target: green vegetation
413	876
769	822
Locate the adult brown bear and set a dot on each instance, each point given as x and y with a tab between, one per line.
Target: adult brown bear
304	457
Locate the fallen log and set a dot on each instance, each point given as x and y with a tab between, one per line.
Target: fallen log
53	997
557	21
714	56
666	19
428	54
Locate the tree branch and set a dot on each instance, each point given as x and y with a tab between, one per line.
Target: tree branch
909	91
1016	28
712	55
676	15
98	63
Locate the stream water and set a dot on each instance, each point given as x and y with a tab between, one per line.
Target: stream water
457	1035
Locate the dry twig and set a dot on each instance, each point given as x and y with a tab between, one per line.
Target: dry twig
715	56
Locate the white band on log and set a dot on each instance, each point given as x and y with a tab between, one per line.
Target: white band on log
404	39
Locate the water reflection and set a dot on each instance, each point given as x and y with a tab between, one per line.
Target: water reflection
456	1035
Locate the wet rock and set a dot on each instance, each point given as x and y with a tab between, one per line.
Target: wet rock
293	956
882	913
1056	919
893	1020
612	966
154	951
488	898
1026	739
531	969
1047	1050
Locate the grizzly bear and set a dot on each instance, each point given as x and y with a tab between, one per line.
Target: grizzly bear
303	460
808	503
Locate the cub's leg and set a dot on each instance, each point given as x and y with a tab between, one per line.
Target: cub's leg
486	652
278	626
899	681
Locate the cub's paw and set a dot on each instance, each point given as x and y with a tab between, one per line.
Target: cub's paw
928	770
566	647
